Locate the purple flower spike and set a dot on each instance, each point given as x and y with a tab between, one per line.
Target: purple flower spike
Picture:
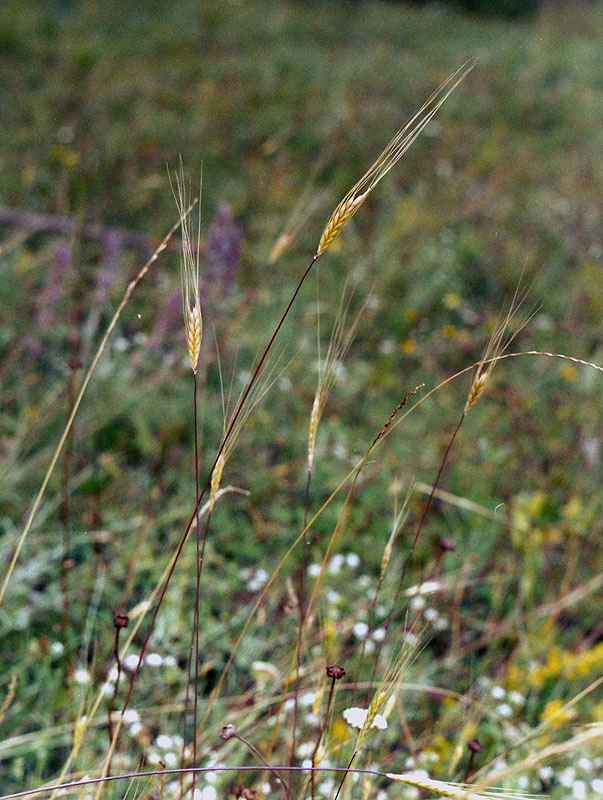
223	252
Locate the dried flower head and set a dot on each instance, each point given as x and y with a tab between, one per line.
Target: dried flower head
189	273
228	731
335	671
389	157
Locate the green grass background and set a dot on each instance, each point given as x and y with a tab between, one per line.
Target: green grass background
97	99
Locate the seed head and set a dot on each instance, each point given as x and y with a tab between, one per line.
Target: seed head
388	158
189	272
497	344
335	671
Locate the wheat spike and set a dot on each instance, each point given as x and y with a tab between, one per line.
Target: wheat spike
314	420
339	344
216	477
455	790
189	272
389	157
497	344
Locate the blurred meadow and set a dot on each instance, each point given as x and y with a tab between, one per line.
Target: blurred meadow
496	632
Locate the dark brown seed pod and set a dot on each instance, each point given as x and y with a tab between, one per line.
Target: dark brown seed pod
335	671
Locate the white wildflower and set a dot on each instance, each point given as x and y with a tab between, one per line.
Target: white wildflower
357	716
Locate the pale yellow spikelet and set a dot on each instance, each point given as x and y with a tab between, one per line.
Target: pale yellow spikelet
314	420
497	344
216	478
419	780
368	782
282	243
194	332
399	517
385	690
339	344
189	272
388	158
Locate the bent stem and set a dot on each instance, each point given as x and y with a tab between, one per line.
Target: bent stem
200	496
130	288
260	757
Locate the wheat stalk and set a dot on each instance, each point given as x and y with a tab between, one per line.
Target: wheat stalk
394	151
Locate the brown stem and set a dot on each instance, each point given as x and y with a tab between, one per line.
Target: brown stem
256	752
345	774
300	603
227	435
119	621
198	583
321	734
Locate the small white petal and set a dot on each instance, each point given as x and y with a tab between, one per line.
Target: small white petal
355	716
131	661
360	629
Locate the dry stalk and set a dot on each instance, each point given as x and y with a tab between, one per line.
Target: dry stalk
130	288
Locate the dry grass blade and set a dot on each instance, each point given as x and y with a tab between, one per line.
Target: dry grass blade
267	377
389	157
130	288
339	344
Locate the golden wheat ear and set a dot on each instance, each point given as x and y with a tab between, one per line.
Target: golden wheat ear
389	157
497	344
189	270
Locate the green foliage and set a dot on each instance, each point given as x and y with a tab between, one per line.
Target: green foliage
99	97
